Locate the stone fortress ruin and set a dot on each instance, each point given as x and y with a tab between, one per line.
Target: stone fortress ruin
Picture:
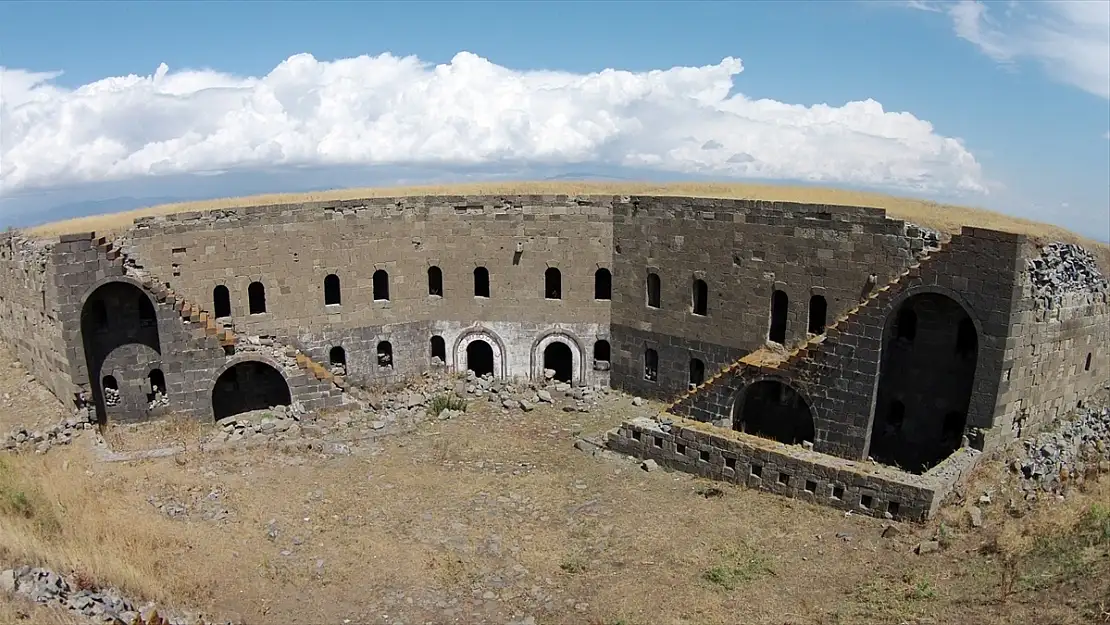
828	353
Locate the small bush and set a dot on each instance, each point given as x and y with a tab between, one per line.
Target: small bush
446	402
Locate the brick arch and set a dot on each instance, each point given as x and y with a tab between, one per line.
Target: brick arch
241	359
805	426
128	347
922	384
480	333
578	366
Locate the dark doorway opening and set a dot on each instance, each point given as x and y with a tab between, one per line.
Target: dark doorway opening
558	357
479	357
439	349
248	386
926	377
773	410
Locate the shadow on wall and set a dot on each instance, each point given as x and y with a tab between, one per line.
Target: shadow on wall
247	386
772	409
927	374
119	320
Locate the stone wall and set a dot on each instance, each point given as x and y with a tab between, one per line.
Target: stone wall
792	471
29	320
134	344
1057	355
292	249
744	251
839	375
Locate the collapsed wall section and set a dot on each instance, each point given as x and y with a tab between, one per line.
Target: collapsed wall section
1059	333
29	320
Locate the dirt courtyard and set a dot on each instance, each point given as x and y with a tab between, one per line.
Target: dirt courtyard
495	517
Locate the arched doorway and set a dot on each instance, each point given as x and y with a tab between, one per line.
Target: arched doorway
247	386
558	357
119	322
479	357
774	410
926	377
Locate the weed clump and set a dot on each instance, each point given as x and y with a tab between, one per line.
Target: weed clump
446	402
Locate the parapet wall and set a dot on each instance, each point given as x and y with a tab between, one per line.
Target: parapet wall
792	471
29	319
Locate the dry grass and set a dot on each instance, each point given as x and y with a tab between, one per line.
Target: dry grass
945	217
501	503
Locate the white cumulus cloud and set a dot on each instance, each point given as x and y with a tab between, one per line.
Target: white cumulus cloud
388	110
1069	38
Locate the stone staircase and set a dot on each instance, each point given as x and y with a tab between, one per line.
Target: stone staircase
769	359
194	316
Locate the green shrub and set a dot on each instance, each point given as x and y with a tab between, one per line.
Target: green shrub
446	402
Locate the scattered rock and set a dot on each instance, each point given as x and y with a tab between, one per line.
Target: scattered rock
975	515
649	465
926	546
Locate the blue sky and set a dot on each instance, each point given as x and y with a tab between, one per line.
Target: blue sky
1032	116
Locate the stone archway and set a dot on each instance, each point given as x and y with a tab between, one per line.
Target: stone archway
771	408
249	385
119	328
492	361
923	395
561	352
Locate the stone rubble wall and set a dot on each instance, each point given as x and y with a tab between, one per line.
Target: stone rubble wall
29	313
1057	355
788	470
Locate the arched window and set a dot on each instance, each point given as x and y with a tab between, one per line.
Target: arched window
439	349
651	365
818	314
601	356
381	286
338	356
552	284
481	282
221	301
699	297
653	290
780	303
385	354
157	383
697	372
603	284
111	390
332	293
435	281
256	298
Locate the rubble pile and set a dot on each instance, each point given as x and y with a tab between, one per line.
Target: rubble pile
1065	454
41	441
1064	268
107	606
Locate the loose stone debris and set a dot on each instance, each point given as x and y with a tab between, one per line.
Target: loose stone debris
107	606
1064	268
41	440
1067	452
